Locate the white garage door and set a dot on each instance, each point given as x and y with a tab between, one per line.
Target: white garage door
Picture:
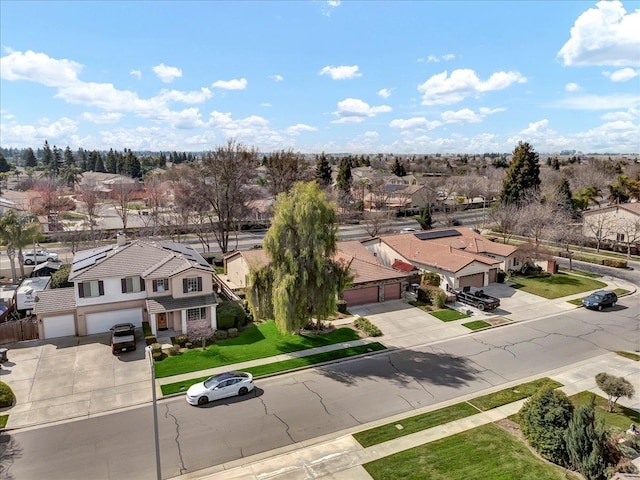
103	321
59	326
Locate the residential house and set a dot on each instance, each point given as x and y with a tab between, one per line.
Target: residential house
167	284
372	282
459	255
614	223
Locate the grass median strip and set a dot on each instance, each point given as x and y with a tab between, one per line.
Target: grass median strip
448	315
476	325
630	355
3	420
414	424
275	367
483	453
509	395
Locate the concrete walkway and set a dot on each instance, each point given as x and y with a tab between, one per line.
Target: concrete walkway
340	456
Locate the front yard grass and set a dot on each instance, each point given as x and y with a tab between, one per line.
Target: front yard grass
620	418
3	420
483	453
448	315
584	273
258	341
261	370
556	286
509	395
630	355
414	424
476	325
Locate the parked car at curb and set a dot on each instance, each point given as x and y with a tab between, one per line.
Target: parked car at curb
123	337
223	385
600	299
39	256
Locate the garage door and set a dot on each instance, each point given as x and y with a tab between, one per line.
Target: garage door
493	275
103	321
59	326
476	280
391	291
360	296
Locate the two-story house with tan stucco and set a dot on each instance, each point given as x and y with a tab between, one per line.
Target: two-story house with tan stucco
167	284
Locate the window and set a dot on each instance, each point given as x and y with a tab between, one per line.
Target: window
132	284
620	237
192	284
94	288
196	314
161	285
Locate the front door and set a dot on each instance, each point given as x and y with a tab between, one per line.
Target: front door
162	321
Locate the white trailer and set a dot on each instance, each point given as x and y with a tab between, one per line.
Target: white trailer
26	294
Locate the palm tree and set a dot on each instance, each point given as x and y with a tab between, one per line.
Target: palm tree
70	175
17	231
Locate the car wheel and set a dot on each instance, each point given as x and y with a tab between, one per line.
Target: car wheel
50	260
203	400
28	262
599	307
243	391
481	306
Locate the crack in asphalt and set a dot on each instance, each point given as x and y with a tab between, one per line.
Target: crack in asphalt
408	402
319	397
393	365
167	414
288	428
356	420
266	412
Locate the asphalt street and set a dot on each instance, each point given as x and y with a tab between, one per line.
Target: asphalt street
303	405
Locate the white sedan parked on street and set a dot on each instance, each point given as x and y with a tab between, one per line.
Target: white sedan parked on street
39	256
219	386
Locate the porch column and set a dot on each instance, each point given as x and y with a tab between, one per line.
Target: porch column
183	314
214	319
154	324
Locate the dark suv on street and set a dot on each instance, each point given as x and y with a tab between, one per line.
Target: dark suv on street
600	300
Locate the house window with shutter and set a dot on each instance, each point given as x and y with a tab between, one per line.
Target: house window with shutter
94	288
192	284
132	284
161	285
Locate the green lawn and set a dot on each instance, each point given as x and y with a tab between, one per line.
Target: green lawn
630	355
556	286
483	453
3	420
448	315
621	417
259	341
584	273
283	366
383	433
617	291
476	324
508	395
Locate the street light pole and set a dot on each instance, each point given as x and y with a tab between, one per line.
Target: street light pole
149	351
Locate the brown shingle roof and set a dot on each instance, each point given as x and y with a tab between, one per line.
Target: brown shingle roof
56	300
168	303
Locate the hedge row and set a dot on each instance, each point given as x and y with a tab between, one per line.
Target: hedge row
367	327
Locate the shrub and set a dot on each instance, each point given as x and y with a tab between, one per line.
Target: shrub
188	345
200	335
367	327
150	339
431	278
615	262
341	305
181	340
60	279
6	395
586	441
221	334
233	332
230	315
146	329
544	419
614	387
423	294
174	350
501	276
156	347
157	356
438	297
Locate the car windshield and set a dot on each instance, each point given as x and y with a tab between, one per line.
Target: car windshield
595	297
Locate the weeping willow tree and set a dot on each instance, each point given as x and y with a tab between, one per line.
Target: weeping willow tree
303	278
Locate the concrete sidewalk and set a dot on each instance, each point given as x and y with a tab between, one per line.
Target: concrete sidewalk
340	456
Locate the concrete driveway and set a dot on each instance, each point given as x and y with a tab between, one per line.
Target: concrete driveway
72	377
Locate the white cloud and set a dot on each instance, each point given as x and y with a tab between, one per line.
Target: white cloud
572	87
101	118
605	35
535	127
59	132
465	115
356	110
187	97
623	75
39	68
415	122
329	6
299	128
277	78
136	73
384	92
342	72
436	58
371	134
167	74
632	114
266	104
235	84
600	102
188	118
442	89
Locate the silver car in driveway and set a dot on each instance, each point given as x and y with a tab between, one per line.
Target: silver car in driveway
219	386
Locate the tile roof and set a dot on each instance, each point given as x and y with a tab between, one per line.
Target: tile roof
633	207
168	303
140	258
56	300
403	266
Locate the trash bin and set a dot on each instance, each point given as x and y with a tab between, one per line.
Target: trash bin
3	355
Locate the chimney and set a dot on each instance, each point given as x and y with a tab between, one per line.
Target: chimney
121	239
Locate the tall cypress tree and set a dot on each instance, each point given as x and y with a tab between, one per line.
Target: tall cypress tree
344	178
323	170
29	158
68	157
523	174
47	156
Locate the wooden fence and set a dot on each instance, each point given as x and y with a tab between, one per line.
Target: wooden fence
18	330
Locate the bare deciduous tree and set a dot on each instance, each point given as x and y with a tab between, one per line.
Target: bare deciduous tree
504	218
600	227
122	194
92	204
536	220
628	230
376	222
284	168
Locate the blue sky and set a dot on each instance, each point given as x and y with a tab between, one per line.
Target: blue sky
350	76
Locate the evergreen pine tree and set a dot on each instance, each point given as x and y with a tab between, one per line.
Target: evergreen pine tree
68	157
29	158
344	178
565	198
523	174
425	220
99	165
586	442
47	156
82	160
4	165
110	163
398	169
323	170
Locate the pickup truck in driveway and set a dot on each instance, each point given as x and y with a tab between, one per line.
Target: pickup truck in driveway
477	298
123	337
